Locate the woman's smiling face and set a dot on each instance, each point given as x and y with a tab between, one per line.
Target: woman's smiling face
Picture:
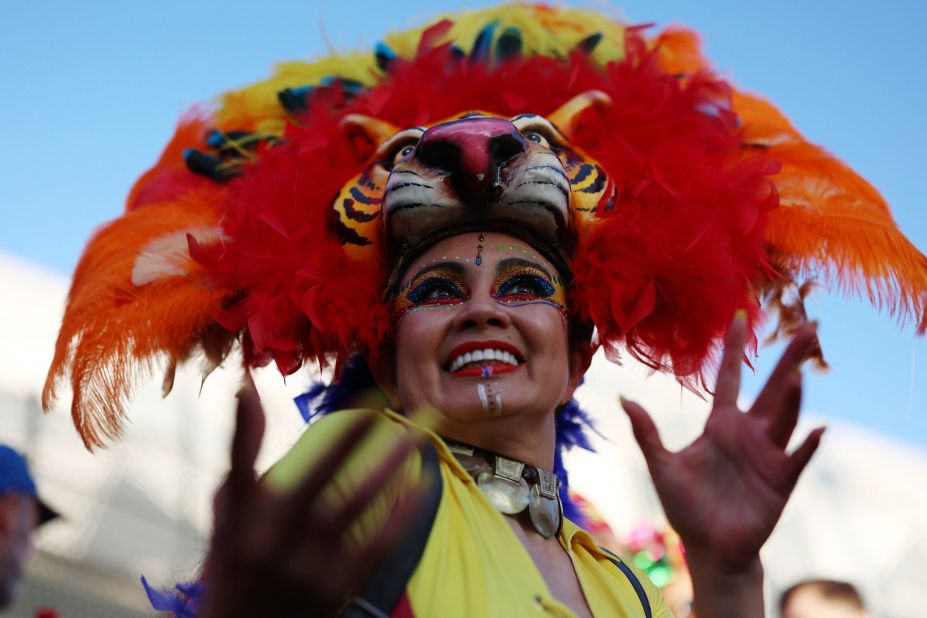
482	331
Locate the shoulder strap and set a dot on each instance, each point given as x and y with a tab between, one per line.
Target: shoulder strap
385	588
635	582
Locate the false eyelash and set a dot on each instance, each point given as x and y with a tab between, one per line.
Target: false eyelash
419	294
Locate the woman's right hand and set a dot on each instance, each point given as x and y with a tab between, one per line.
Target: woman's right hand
286	553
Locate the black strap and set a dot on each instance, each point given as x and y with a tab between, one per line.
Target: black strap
388	583
635	582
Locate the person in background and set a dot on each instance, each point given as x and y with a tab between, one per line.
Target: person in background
822	598
21	511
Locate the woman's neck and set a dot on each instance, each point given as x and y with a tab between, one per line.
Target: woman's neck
526	439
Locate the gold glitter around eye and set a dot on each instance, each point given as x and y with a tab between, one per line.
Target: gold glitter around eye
523	283
438	286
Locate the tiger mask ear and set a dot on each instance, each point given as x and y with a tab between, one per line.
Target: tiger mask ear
366	132
566	117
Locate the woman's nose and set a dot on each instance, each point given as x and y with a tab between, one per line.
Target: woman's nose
481	311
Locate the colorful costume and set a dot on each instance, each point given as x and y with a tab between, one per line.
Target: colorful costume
270	223
473	564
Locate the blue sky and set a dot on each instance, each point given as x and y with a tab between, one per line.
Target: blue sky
93	90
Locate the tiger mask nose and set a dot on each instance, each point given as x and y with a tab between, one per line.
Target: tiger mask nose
472	151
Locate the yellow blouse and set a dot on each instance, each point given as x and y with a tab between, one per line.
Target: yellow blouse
473	563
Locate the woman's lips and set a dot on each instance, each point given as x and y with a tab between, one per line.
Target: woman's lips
485	371
482	357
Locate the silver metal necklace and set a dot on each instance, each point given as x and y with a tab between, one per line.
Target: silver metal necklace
513	486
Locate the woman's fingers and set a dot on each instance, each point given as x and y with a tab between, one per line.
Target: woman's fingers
728	385
779	421
802	344
802	455
402	516
779	402
343	572
372	485
328	553
249	431
645	432
307	489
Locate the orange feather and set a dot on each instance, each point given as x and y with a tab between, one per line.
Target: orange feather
115	331
832	223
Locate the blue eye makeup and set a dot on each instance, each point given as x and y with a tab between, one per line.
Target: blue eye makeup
434	287
522	282
445	284
435	290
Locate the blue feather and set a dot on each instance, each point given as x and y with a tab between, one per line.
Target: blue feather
570	424
183	601
322	398
483	42
508	47
384	55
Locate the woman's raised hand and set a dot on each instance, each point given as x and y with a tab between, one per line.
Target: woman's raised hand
285	553
725	492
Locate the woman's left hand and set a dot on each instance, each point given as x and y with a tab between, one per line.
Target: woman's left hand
725	492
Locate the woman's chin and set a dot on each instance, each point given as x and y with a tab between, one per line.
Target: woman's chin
478	410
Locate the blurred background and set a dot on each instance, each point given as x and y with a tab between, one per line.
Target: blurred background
92	92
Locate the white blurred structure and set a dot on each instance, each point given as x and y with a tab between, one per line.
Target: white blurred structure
142	506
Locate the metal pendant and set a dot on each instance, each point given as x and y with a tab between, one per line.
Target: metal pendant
474	464
546	513
509	497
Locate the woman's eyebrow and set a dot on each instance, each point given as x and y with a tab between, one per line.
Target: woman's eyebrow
455	267
508	263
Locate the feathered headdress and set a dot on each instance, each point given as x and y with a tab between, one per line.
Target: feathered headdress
707	201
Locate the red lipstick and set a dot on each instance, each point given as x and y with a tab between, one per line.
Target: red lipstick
485	369
472	346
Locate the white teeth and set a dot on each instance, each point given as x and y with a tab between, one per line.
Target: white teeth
483	355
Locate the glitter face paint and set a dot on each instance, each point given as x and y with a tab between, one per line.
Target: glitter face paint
521	282
441	285
479	251
526	252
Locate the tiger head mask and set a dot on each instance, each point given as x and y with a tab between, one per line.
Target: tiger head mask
475	171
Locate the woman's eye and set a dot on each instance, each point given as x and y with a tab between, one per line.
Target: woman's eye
525	286
435	291
537	138
402	153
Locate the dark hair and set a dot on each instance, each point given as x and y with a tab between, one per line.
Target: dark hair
827	588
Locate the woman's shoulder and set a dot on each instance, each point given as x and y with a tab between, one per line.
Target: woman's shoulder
324	434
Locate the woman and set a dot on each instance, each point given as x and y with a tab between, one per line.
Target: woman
462	220
739	460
